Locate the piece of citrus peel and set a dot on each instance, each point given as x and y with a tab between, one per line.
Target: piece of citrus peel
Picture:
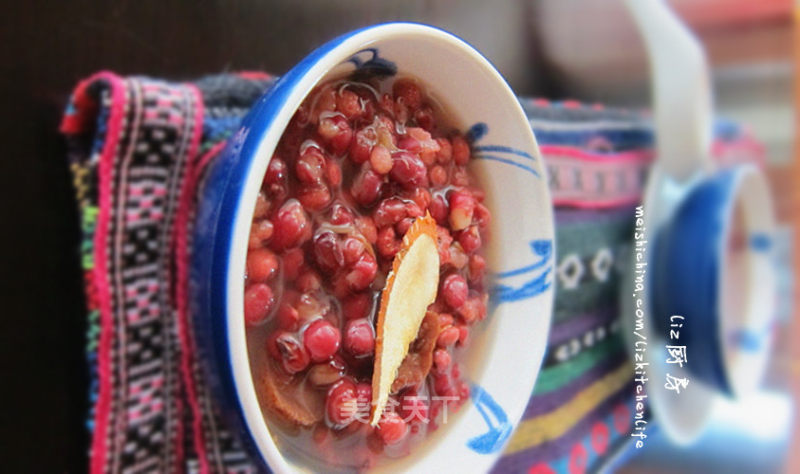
410	288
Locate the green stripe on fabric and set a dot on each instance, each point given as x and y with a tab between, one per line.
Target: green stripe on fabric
92	330
559	375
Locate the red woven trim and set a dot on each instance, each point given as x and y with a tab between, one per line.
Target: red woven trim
99	447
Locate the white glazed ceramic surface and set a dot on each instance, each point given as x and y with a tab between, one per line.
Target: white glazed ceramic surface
505	355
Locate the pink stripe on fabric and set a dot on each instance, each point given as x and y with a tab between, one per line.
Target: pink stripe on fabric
597	204
103	406
181	230
638	156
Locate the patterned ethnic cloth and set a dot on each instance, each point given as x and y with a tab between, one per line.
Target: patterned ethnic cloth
138	148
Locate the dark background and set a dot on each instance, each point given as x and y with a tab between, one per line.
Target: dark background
586	49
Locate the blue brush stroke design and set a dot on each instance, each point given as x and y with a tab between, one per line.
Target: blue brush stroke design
508	162
542	248
504	149
376	65
530	289
477	131
760	242
748	341
495	418
537	285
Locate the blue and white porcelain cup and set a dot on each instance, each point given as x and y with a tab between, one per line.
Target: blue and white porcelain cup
507	349
714	285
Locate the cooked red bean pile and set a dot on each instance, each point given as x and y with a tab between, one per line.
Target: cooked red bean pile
357	164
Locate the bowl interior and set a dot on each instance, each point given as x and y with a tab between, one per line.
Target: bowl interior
504	358
747	283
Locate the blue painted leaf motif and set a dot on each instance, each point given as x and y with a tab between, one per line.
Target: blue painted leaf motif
540	269
495	418
368	62
760	242
499	153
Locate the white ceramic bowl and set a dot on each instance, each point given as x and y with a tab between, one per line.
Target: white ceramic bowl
505	355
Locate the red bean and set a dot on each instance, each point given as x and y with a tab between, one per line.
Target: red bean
389	212
310	166
341	404
445	319
357	306
288	350
364	396
403	226
336	131
362	144
454	290
293	261
424	118
441	359
261	265
437	176
386	242
327	251
427	146
442	385
308	281
321	340
460	150
341	214
392	429
359	338
260	233
443	241
352	249
363	273
277	171
366	186
477	269
314	197
408	170
422	198
292	227
258	301
262	206
439	209
445	153
366	226
457	257
414	408
349	104
460	177
470	239
333	172
472	310
447	337
409	92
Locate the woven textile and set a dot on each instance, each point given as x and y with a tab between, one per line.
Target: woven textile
138	150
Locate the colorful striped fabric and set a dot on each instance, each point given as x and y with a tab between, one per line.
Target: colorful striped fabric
597	159
138	149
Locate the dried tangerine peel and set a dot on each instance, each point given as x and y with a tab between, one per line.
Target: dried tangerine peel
410	288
